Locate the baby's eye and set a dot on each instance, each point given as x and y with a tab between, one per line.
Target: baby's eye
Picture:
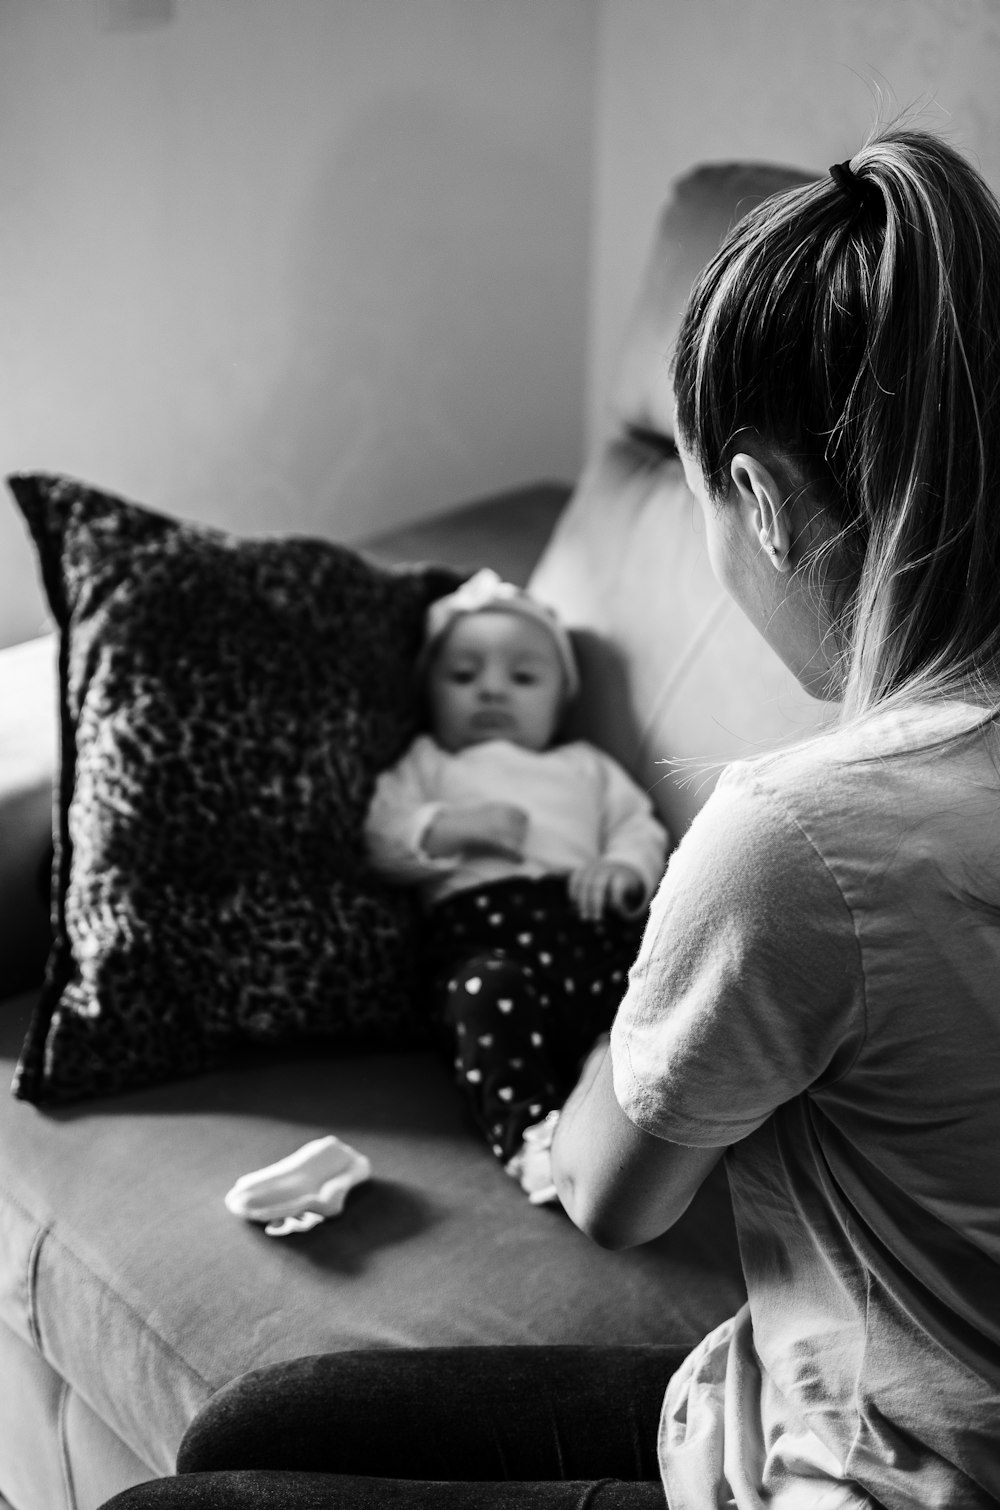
461	676
525	678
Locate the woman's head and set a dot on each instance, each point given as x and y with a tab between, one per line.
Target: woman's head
844	345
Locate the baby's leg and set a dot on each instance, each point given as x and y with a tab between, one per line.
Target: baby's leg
513	973
582	978
490	1001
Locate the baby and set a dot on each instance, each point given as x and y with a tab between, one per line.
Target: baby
535	859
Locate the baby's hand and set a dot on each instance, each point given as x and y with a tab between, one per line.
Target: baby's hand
498	828
601	884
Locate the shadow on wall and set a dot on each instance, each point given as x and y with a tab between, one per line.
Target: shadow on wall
434	318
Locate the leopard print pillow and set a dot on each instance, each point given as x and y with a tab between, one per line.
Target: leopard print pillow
225	706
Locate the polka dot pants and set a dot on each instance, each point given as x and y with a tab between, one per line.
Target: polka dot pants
522	985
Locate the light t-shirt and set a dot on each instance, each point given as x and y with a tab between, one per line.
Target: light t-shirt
819	986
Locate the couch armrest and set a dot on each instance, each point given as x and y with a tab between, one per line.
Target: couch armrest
28	746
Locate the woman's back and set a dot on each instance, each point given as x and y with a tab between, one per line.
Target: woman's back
851	892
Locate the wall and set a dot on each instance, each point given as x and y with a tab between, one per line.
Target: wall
795	81
291	264
322	264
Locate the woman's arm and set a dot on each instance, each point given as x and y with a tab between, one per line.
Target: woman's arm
620	1185
748	989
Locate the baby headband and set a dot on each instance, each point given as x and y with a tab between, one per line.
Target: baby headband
485	591
861	192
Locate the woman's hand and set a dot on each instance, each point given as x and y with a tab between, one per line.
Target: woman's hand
601	884
497	828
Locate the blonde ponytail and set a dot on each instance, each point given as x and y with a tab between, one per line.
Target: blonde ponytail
853	325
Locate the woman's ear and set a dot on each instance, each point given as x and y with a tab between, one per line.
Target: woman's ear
762	504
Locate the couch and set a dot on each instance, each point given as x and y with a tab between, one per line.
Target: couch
128	1293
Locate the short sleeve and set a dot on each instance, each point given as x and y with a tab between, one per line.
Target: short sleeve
748	988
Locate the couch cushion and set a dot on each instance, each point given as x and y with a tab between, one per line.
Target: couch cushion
122	1266
677	681
225	707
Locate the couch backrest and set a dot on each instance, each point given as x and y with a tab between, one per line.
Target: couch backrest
672	670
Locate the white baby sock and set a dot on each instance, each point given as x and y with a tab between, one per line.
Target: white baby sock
301	1190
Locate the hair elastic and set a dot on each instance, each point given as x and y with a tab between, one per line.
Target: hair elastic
860	191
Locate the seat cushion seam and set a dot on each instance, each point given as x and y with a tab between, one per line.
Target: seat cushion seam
46	1231
31	1286
141	1322
64	1463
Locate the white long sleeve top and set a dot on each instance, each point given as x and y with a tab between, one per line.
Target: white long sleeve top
581	806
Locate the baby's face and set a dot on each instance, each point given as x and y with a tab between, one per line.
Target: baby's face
497	675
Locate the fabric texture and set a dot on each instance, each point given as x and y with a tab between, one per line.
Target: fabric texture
581	806
817	988
559	1428
225	707
523	986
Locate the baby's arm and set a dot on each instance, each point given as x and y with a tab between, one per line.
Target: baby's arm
633	854
496	828
401	808
603	884
632	833
411	834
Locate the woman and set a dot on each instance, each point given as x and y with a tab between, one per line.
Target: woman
816	997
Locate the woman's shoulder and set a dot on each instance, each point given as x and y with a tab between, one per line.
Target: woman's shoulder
904	741
873	784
